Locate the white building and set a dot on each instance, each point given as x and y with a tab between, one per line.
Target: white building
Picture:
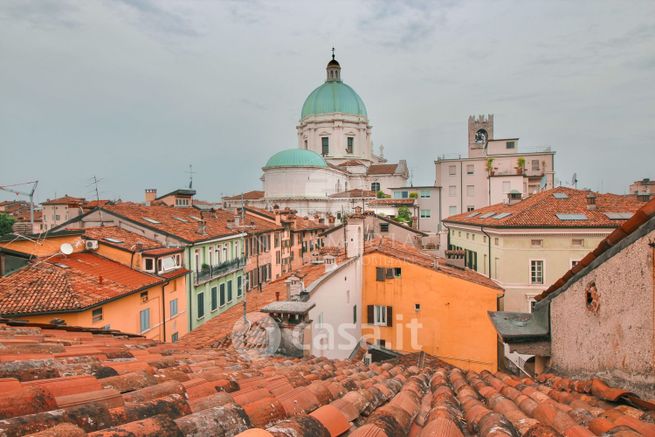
334	155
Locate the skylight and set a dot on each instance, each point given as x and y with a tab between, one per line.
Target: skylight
153	221
63	266
113	240
487	214
560	195
563	216
502	215
618	215
198	219
473	214
183	220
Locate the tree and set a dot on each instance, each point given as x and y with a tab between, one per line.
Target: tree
404	215
381	195
6	224
413	195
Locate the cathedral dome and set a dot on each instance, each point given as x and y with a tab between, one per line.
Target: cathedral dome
296	158
333	96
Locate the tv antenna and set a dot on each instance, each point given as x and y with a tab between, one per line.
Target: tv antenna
190	172
29	194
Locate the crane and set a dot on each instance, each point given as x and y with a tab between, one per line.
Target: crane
30	195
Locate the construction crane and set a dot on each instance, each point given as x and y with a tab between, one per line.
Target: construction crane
30	195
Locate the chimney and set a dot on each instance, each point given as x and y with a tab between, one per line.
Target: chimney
330	263
644	196
151	195
202	227
294	286
591	201
513	197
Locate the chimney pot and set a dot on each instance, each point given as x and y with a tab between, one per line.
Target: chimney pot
591	201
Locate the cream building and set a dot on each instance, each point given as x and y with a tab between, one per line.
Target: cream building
527	244
334	156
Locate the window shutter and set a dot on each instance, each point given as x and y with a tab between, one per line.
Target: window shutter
379	274
389	316
370	318
389	273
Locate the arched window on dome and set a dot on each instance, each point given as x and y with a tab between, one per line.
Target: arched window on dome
350	145
325	146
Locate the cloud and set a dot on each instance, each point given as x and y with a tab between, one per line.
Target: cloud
41	13
161	21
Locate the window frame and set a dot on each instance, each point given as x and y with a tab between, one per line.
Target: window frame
144	312
532	273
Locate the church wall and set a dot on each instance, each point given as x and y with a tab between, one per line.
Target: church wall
337	127
302	182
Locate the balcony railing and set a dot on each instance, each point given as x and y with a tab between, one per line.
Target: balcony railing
222	269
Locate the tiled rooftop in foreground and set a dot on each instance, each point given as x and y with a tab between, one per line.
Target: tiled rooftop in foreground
57	381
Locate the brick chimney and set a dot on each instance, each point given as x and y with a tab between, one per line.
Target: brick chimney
151	195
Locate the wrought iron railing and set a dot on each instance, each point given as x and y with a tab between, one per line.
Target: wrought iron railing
207	274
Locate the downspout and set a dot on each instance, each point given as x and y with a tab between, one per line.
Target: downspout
259	279
488	250
163	311
190	293
461	188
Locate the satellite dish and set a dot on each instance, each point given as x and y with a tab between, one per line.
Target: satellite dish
66	248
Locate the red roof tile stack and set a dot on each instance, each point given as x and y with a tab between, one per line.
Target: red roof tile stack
108	383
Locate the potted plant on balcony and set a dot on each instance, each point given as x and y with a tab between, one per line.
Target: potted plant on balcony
205	268
490	166
520	165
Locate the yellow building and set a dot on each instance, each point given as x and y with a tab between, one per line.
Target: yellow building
412	301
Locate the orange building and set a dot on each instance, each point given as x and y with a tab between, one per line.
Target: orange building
86	289
412	301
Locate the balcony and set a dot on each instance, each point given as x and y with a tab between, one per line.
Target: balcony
216	271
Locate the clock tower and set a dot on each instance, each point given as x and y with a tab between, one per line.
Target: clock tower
481	130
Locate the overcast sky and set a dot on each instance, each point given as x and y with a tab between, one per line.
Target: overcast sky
134	91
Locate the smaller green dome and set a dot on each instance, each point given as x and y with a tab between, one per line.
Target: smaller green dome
296	158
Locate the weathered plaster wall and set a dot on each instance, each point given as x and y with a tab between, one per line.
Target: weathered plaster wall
618	339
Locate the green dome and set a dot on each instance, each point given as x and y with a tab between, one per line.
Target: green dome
296	158
333	96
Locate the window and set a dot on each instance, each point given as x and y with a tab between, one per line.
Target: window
425	213
354	314
535	164
384	227
222	294
537	243
469	168
325	143
452	190
175	337
214	299
470	190
239	287
506	187
229	291
379	274
452	210
380	315
425	194
452	170
144	320
197	259
375	186
577	242
417	307
350	144
148	264
173	307
96	315
144	296
397	271
496	241
201	305
511	144
536	271
574	262
470	208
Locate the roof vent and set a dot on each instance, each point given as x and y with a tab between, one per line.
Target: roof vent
202	227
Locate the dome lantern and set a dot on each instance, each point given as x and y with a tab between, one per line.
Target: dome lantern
333	70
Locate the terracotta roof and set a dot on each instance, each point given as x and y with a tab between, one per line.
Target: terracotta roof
644	214
65	200
255	223
214	331
120	238
540	211
353	193
306	224
390	201
75	381
261	211
350	163
248	195
411	254
377	169
182	192
68	283
95	203
181	223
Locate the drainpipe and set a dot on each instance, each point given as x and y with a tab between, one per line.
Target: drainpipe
461	188
163	310
190	293
259	279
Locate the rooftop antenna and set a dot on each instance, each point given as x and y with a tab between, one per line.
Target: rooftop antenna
574	180
94	182
190	173
333	53
29	194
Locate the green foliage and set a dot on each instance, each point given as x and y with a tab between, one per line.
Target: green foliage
404	215
413	195
6	223
380	195
490	165
520	163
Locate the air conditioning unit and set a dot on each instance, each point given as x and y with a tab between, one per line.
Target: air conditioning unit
368	359
91	244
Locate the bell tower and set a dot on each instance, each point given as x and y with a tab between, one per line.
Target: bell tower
480	131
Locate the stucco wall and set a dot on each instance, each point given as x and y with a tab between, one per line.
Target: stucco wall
618	339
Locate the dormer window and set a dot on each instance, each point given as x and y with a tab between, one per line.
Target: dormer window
149	264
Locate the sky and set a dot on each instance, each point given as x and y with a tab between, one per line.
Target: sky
134	91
